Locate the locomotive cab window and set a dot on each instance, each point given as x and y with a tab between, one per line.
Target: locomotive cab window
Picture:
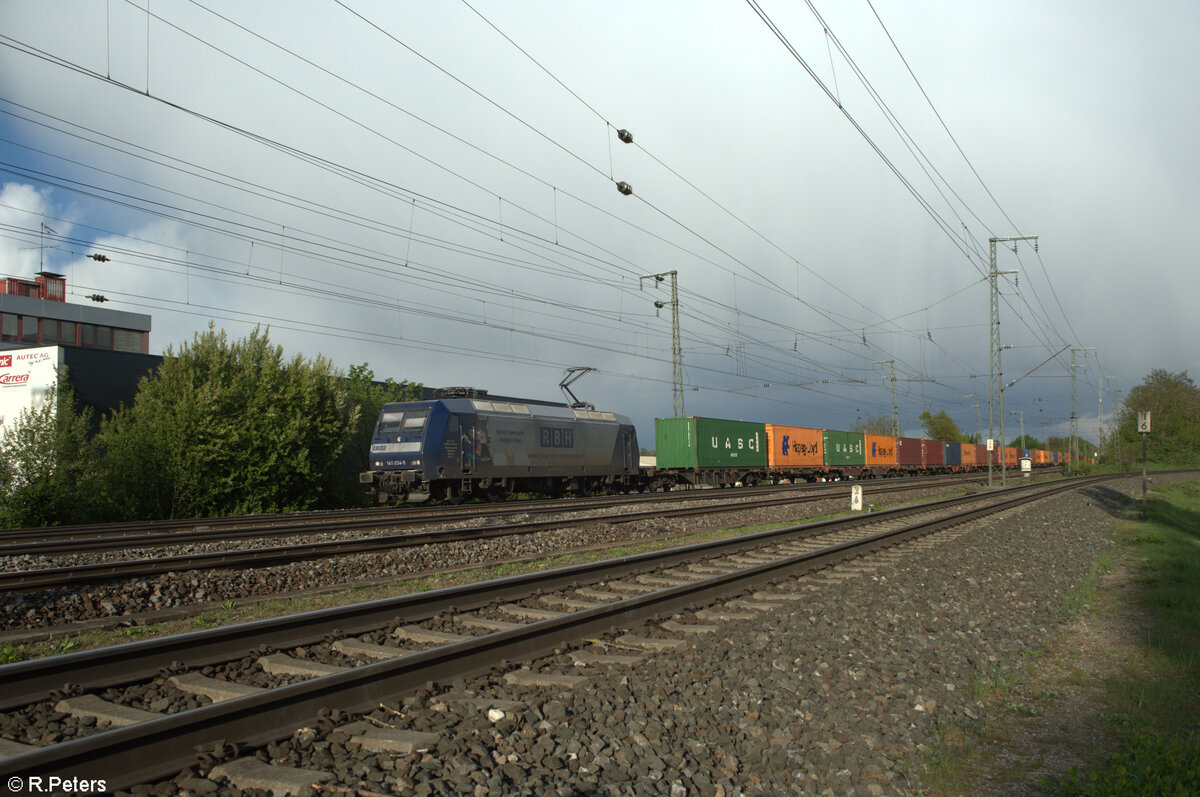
414	421
389	423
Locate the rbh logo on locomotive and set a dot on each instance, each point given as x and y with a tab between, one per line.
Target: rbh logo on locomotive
554	437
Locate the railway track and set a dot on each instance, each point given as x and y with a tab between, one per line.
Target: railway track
156	562
125	536
514	619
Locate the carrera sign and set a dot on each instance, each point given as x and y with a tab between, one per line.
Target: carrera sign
26	377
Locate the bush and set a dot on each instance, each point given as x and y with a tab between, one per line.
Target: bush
48	474
228	428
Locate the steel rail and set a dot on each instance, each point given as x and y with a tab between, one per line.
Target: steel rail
118	536
161	747
102	572
103	667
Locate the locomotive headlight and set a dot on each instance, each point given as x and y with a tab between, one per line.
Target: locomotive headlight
416	463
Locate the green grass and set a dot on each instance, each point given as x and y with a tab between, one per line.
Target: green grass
11	653
1156	708
64	644
944	761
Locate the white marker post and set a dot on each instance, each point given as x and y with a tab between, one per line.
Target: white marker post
856	498
1144	430
991	446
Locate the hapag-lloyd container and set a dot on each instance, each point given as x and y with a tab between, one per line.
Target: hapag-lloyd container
880	449
973	454
794	446
709	443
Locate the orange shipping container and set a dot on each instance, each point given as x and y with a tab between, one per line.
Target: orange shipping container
1012	457
794	447
881	449
970	454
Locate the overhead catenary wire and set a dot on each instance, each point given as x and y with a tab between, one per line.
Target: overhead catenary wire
696	298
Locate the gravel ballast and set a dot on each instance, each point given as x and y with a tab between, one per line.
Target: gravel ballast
53	609
840	694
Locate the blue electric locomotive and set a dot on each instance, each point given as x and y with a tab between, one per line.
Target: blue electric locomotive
454	448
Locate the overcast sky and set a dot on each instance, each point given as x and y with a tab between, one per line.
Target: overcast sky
430	188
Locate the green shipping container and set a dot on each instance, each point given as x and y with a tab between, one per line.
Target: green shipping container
710	443
843	448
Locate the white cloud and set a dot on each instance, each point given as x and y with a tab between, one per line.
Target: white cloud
1081	131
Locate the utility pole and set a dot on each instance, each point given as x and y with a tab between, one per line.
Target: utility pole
892	378
676	344
995	372
1074	414
1100	420
1022	415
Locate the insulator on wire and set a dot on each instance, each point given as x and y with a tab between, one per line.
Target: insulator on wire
625	136
625	188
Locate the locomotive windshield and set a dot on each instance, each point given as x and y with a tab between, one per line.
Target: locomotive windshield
398	422
389	423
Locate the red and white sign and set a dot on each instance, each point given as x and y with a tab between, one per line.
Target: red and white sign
26	377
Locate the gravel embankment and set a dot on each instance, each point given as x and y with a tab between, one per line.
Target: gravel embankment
839	695
47	608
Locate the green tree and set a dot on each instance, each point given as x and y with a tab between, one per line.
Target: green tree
228	428
941	427
48	473
1174	403
872	425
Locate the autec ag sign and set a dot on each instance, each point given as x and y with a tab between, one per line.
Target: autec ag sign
26	377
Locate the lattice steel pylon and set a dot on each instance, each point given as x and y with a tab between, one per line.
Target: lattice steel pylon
676	343
895	408
1074	448
995	371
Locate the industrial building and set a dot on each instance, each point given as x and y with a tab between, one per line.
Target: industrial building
105	352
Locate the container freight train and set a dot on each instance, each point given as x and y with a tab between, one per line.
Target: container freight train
467	446
720	452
